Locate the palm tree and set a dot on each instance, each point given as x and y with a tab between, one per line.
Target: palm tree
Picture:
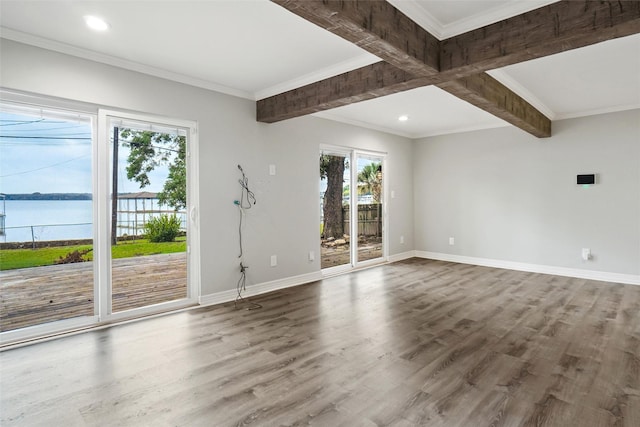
370	181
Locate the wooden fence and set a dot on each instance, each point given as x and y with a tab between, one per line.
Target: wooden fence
369	219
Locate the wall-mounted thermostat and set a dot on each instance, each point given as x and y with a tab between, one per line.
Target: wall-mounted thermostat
586	179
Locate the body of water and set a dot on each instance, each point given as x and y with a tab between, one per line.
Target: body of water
42	220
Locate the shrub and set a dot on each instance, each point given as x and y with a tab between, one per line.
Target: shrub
163	228
72	257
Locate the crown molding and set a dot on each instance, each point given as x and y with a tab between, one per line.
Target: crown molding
597	111
491	16
339	68
441	31
420	16
324	73
463	129
515	86
67	49
506	79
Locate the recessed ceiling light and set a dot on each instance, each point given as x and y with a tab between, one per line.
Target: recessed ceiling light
95	23
403	118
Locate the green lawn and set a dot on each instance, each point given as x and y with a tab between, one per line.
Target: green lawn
24	258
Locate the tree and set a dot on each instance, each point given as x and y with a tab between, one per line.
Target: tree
152	149
332	168
174	191
370	181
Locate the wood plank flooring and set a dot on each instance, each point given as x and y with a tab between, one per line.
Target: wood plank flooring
32	296
413	343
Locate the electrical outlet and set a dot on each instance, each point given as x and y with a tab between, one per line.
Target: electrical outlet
272	169
452	241
312	256
586	254
274	260
402	240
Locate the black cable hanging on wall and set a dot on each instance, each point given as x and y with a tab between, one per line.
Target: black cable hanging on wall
246	202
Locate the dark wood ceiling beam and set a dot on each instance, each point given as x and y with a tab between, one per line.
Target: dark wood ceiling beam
412	61
463	59
364	83
382	79
551	29
487	93
377	27
411	56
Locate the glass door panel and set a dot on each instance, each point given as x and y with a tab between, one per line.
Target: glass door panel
370	207
46	217
334	210
148	215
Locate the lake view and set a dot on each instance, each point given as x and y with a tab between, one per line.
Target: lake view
48	219
71	219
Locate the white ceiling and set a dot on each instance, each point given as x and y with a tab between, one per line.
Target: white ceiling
254	49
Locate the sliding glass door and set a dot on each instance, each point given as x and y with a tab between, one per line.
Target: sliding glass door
96	218
351	208
151	210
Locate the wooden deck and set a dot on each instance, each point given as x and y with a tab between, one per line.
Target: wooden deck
32	296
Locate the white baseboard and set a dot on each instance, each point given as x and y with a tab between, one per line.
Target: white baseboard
260	288
604	276
402	256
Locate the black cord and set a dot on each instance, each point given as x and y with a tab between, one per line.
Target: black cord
246	193
247	197
240	230
241	286
247	200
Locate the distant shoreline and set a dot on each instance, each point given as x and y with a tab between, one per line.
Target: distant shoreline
73	196
48	196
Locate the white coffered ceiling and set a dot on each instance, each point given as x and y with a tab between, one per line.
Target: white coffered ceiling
254	49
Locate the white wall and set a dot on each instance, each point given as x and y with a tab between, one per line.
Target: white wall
285	220
505	195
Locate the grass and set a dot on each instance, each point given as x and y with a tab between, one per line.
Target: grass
24	258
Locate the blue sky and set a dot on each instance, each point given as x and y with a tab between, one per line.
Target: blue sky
53	155
31	162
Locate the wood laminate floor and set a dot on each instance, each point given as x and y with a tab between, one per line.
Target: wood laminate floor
414	343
